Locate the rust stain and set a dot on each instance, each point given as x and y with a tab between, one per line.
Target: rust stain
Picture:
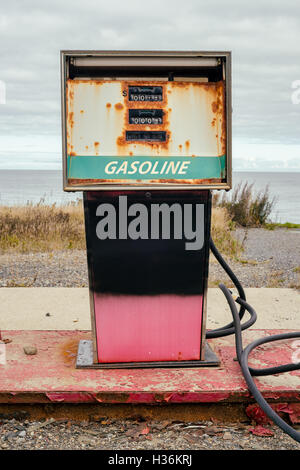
108	105
215	106
71	119
95	82
189	181
114	397
97	145
81	111
187	146
162	397
221	116
70	90
121	141
119	106
75	182
228	413
68	352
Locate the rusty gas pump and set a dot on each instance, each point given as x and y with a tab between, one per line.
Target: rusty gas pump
146	137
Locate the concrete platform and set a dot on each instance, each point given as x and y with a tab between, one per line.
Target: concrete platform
50	375
55	319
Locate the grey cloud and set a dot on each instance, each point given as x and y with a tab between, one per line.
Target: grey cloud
263	35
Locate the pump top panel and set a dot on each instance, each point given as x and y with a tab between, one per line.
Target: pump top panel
138	120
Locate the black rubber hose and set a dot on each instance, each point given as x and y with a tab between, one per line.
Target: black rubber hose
227	329
243	355
241	300
267	370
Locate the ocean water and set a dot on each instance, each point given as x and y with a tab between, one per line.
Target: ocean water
284	187
25	186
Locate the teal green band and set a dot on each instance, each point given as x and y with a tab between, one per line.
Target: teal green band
145	168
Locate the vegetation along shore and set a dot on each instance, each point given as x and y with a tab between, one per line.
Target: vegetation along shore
44	245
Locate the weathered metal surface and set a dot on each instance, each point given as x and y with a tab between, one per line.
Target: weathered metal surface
51	377
95	412
109	119
85	360
132	328
98	117
85	354
141	290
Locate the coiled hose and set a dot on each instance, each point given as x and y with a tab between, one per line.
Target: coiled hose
236	328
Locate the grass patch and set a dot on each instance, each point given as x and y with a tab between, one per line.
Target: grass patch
221	232
246	207
39	227
273	225
275	279
251	262
215	282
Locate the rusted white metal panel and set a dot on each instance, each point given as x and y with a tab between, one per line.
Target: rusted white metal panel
191	124
193	119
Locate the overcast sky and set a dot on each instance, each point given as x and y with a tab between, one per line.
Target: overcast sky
263	35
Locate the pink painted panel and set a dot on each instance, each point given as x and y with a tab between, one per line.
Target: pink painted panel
148	328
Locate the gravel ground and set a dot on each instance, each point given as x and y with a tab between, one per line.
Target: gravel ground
55	269
270	259
135	435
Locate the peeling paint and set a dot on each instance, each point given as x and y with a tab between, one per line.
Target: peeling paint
291	410
74	397
52	377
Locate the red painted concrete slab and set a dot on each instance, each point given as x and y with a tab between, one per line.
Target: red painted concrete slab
50	376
